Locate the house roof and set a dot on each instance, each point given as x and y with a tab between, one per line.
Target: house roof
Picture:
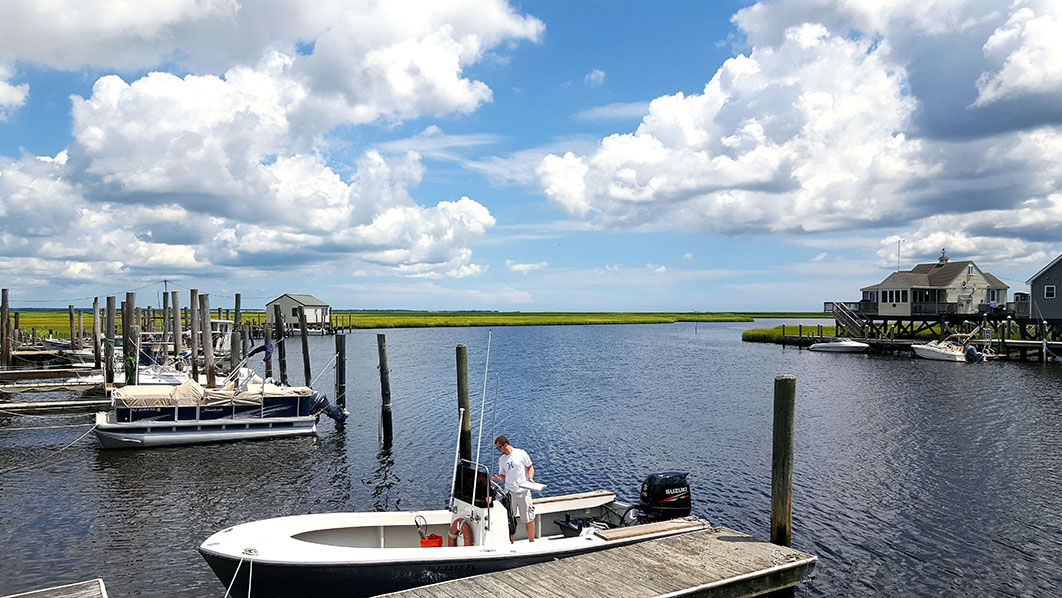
305	300
1044	269
939	275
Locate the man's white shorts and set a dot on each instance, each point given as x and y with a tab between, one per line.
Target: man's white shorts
522	506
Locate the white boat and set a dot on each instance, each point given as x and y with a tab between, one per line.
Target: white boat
953	348
370	553
840	345
145	416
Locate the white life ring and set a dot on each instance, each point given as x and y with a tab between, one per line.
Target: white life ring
465	529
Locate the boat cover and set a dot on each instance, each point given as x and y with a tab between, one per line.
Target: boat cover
190	393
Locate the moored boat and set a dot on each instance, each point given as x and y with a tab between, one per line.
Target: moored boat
369	553
145	416
840	345
955	348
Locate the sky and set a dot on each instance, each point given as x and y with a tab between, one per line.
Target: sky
523	155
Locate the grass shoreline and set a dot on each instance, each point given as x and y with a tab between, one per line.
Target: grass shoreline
59	321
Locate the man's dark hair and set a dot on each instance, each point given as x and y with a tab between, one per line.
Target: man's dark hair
501	441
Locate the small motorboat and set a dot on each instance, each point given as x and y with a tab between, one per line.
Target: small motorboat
840	345
954	348
370	553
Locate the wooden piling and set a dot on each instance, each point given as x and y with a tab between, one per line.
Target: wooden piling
305	334
128	323
385	391
73	330
341	371
5	339
178	333
208	343
267	337
782	460
110	331
166	319
282	359
462	403
193	326
96	358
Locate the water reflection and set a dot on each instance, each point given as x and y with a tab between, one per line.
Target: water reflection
384	482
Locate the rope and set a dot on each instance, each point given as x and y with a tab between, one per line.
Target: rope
44	427
233	582
39	461
324	369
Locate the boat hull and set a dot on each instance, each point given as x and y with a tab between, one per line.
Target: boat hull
354	580
852	347
928	352
150	435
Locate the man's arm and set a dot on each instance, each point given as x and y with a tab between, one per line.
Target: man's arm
531	472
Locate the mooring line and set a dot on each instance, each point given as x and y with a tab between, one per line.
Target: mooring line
38	462
44	427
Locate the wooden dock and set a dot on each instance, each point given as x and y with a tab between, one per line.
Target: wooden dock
85	589
716	562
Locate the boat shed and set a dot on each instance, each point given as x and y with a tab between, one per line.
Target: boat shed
1044	299
318	313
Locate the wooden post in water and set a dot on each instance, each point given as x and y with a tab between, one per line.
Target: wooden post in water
782	460
305	334
96	360
166	320
267	337
193	327
462	403
282	359
73	330
109	329
341	371
128	323
5	337
237	325
80	328
385	390
175	309
208	343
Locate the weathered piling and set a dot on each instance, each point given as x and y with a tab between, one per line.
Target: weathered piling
5	337
282	360
305	334
166	319
110	330
208	344
385	390
96	332
341	371
462	403
176	326
193	327
782	460
128	321
73	329
267	337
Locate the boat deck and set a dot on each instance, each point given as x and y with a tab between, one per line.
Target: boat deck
714	562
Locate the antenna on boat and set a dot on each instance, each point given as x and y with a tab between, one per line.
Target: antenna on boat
482	408
457	455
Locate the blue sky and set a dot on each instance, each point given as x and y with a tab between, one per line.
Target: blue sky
530	156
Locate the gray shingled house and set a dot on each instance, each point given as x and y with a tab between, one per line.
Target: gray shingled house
1044	301
945	287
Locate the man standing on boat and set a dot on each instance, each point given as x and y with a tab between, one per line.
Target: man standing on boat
515	468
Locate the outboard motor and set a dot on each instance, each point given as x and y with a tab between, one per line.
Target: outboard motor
665	496
320	403
972	356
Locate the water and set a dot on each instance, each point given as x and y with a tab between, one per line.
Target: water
912	477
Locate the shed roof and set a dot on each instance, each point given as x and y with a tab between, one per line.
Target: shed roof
305	300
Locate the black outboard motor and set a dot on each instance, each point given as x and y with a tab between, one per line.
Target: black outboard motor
971	354
320	403
665	496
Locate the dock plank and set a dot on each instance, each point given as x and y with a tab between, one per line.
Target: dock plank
716	562
93	588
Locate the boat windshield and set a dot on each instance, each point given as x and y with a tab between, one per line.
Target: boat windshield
467	473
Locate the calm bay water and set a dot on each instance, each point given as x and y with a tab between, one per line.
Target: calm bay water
912	477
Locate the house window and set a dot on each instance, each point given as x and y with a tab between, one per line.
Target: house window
295	312
1049	291
969	269
903	296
